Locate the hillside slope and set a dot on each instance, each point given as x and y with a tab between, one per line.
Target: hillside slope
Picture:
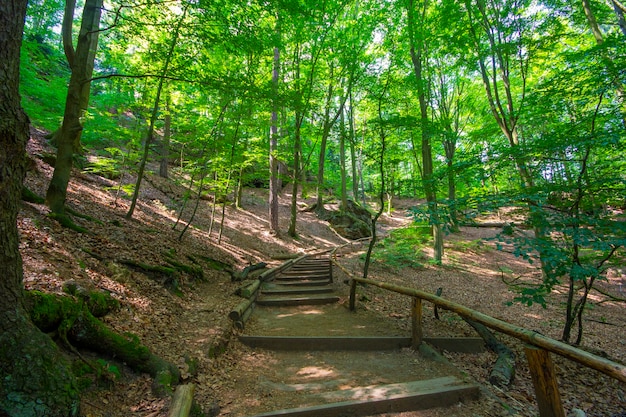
185	317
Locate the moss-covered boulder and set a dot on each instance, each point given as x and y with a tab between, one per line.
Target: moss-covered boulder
353	222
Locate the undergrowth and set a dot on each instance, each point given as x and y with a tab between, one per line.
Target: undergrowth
403	247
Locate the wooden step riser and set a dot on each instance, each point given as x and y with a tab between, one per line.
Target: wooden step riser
310	266
433	396
297	277
361	343
322	343
296	301
306	271
314	290
303	283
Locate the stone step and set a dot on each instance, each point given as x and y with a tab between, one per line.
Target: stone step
399	397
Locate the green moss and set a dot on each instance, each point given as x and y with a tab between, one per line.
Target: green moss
48	311
31	197
66	222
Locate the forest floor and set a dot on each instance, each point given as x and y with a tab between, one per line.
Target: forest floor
194	324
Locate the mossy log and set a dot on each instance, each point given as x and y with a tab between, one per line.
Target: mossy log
240	276
75	324
248	290
164	275
503	370
194	271
99	303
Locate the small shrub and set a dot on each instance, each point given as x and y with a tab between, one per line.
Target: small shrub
403	247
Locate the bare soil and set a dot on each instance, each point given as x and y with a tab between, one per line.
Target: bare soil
195	324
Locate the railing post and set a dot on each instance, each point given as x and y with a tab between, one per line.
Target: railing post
352	295
416	323
545	382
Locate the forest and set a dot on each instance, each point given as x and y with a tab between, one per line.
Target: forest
465	107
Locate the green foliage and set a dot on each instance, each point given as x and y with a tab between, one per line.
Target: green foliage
44	75
403	247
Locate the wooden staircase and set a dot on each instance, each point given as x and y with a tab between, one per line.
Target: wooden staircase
304	291
305	283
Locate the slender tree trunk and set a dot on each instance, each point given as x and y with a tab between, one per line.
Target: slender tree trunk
273	198
353	159
619	13
153	118
608	61
297	151
233	148
239	190
342	161
68	138
325	133
450	148
36	379
165	145
381	170
417	51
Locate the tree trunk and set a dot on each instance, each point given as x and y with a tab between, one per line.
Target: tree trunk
153	118
342	161
68	139
273	198
239	190
322	156
352	136
417	50
36	379
297	152
165	145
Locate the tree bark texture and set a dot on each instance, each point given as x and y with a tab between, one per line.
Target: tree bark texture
417	58
68	139
165	145
35	380
273	199
155	113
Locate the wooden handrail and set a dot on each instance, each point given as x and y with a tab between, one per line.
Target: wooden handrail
610	368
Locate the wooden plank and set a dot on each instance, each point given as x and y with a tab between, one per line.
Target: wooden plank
297	301
303	282
366	343
275	290
283	280
545	382
457	344
283	275
406	397
182	401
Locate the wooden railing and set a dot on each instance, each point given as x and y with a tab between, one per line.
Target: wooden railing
537	350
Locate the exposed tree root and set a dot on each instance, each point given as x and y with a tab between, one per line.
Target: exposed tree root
75	324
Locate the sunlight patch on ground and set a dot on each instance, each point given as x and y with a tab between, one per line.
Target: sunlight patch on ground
315	372
300	313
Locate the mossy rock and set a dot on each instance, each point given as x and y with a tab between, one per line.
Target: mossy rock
353	222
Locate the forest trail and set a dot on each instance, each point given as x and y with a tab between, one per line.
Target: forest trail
327	361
